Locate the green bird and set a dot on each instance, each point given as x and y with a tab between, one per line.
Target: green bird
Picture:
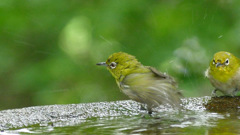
141	83
224	73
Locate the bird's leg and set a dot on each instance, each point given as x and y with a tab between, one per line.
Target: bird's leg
142	107
214	93
234	92
149	110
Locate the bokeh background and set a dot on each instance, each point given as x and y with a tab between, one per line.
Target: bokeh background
49	48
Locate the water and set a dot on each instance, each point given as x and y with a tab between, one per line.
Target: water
120	117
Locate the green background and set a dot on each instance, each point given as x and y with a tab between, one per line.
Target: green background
49	48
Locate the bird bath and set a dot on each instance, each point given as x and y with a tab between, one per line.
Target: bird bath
119	117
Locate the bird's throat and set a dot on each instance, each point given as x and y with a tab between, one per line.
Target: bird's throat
222	76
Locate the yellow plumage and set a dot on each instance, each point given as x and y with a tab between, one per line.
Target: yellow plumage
224	73
142	83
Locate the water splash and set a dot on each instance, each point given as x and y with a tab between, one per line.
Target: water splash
120	117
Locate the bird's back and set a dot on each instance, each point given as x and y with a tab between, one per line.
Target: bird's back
152	88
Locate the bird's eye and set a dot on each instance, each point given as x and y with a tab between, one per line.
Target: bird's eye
113	65
227	62
214	61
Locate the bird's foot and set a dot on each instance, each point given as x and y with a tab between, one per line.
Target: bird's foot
145	114
234	93
142	108
150	112
214	93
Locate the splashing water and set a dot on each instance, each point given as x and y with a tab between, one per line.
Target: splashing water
120	117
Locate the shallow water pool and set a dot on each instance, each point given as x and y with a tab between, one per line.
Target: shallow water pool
120	117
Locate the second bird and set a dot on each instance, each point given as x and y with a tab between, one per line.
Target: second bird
141	83
224	73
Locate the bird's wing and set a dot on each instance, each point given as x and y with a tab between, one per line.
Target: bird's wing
151	90
157	73
163	76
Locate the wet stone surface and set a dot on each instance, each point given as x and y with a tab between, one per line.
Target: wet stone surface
120	117
224	103
70	114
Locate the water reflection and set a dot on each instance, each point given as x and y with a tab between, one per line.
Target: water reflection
125	119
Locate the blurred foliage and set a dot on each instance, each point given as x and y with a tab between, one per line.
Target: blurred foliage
49	48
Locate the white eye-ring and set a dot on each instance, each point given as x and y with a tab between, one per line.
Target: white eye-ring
214	61
113	65
227	62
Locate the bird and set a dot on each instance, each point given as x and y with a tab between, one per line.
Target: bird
224	73
141	83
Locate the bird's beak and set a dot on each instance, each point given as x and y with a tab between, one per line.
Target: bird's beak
101	64
219	64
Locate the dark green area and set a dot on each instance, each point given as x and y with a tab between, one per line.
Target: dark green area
49	48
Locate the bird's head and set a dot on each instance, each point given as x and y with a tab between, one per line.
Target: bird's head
224	65
121	64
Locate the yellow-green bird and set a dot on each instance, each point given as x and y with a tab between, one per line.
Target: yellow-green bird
141	83
224	73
